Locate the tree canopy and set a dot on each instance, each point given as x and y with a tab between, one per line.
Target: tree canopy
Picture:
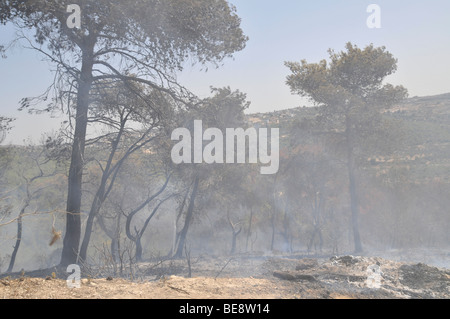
133	41
350	89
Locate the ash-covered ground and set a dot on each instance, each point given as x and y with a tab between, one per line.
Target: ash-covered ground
245	276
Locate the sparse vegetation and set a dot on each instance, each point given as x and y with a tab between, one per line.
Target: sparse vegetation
364	170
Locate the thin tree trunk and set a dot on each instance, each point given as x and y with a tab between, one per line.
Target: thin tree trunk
311	240
176	235
114	235
355	211
114	249
187	222
135	238
101	194
235	233
286	231
272	240
249	230
354	201
18	239
233	242
115	241
96	205
73	219
141	232
138	254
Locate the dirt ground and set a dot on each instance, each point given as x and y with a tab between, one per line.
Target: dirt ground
245	277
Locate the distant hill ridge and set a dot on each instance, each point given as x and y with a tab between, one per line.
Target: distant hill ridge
412	103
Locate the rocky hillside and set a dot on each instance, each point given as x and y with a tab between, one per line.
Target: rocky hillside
425	142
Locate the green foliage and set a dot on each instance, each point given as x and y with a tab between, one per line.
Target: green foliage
164	31
352	95
403	198
349	88
5	126
352	77
141	42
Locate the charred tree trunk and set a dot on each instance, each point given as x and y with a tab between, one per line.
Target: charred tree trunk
286	230
138	254
96	205
72	235
355	210
17	245
137	238
140	233
102	193
114	247
176	235
233	242
272	239
312	241
18	239
354	201
188	220
235	233
114	235
249	229
317	207
274	212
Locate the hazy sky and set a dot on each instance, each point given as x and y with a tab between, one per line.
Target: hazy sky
415	32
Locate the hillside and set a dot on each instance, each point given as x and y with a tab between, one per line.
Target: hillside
403	224
425	147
